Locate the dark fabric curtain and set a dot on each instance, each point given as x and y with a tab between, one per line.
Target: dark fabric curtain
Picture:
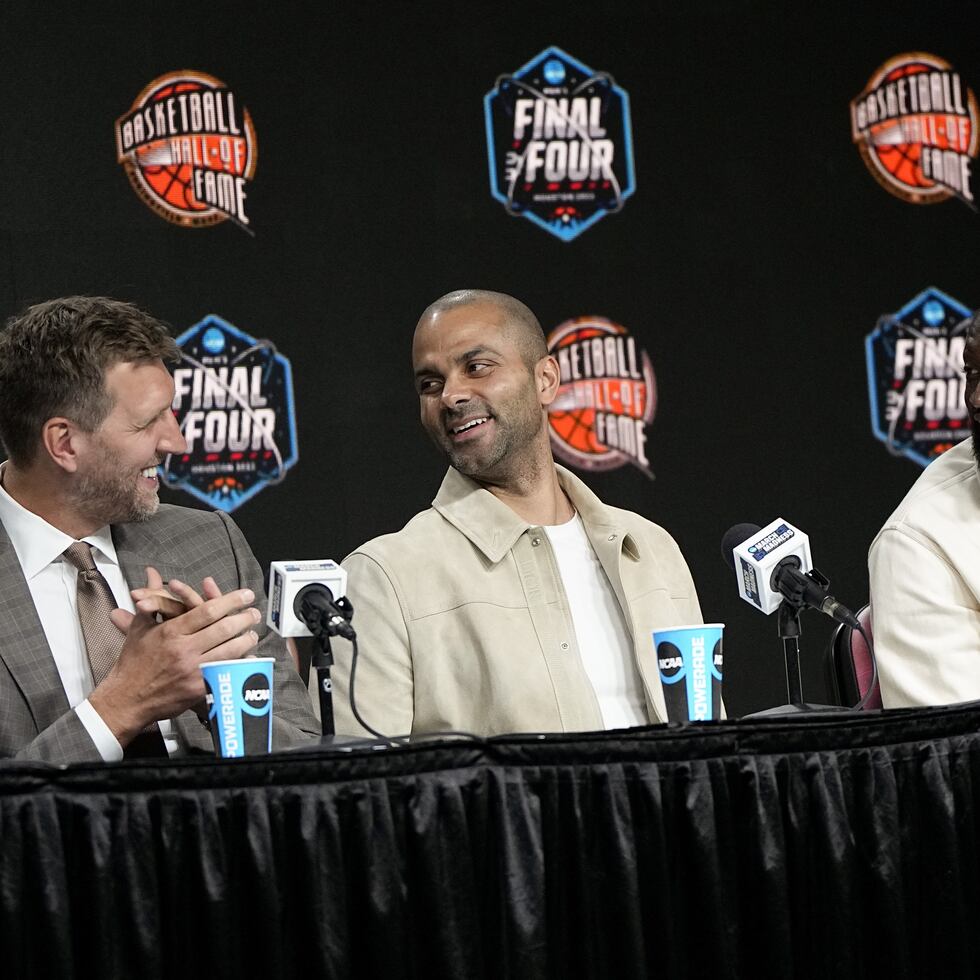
808	848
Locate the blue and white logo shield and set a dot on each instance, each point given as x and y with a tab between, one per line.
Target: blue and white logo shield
915	377
234	402
559	143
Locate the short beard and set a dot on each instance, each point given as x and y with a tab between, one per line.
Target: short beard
976	442
473	468
106	496
510	459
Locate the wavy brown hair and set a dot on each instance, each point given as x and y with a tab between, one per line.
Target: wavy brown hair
53	361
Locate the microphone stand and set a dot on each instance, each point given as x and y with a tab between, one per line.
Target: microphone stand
323	629
789	630
323	625
322	662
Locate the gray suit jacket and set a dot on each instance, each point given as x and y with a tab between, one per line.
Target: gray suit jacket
35	719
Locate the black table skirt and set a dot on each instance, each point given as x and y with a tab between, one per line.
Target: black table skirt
830	847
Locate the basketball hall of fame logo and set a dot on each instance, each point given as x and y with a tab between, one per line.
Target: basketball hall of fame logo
607	397
233	399
915	377
559	142
915	124
188	147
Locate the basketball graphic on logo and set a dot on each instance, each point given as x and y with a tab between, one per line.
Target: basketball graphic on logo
900	159
188	149
916	128
170	182
607	395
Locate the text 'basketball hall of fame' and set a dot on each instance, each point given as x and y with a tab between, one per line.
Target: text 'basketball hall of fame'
915	124
607	398
189	149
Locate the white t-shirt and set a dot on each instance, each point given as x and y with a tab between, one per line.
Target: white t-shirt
603	637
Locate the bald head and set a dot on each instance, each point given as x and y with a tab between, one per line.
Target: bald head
518	320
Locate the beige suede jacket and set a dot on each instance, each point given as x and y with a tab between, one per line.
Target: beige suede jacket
463	623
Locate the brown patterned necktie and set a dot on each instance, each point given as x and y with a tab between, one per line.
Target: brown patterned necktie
95	601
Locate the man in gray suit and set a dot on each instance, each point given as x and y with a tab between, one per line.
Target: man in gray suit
85	417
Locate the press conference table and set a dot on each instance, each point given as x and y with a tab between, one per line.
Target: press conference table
831	846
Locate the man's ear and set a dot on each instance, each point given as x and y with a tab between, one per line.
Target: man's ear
547	375
60	440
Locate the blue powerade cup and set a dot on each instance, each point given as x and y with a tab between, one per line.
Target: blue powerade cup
690	660
238	694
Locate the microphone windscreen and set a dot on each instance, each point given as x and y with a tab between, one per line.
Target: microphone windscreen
733	537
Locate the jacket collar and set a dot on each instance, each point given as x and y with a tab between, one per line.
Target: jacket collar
494	528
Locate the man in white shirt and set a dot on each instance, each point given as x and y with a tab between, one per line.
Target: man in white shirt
519	602
85	417
925	574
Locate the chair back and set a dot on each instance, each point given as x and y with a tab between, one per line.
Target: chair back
850	663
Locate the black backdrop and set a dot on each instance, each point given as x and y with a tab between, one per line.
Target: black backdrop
750	263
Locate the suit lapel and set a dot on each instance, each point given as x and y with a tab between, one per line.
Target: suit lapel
23	646
138	546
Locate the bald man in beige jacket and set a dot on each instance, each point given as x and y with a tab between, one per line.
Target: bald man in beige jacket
464	617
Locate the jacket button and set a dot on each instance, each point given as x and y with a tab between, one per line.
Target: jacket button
612	537
564	646
535	542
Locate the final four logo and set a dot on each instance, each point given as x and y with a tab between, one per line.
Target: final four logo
607	398
188	147
915	124
559	143
234	402
915	377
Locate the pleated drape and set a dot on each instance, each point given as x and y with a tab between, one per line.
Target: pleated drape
829	847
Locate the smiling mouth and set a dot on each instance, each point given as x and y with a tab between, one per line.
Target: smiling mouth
472	424
149	472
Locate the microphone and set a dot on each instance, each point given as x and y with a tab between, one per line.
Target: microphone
773	564
307	599
316	606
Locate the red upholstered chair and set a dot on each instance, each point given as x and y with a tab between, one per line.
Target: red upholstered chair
851	663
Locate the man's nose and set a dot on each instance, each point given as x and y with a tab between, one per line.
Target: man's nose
456	391
173	440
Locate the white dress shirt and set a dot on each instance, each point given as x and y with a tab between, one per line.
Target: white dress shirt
52	582
603	638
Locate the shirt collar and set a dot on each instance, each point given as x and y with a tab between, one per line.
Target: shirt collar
38	543
494	528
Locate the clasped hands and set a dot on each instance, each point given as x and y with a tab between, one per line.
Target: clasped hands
168	637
